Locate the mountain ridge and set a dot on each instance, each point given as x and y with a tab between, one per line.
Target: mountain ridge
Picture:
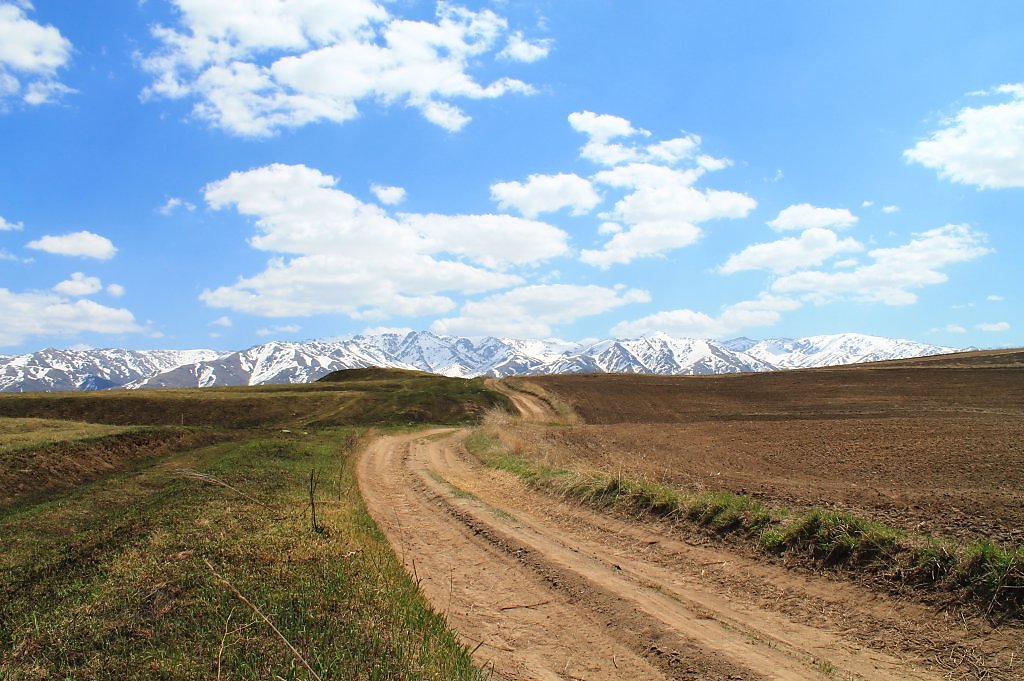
306	361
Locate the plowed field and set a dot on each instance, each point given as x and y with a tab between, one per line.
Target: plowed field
934	446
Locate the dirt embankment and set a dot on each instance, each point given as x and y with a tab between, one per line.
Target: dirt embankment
935	448
543	589
45	469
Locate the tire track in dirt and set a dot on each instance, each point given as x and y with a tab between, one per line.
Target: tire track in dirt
557	591
531	408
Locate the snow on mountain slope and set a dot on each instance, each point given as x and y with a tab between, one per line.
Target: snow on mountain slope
292	362
52	370
846	348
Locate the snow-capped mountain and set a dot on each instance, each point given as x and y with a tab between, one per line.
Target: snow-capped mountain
287	362
53	370
823	351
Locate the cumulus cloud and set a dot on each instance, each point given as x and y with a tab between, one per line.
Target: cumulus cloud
806	216
82	244
48	314
257	67
79	285
765	310
6	226
660	211
890	209
546	194
981	146
994	298
893	273
349	257
531	311
389	196
115	290
173	204
813	247
223	322
30	57
658	208
994	327
518	48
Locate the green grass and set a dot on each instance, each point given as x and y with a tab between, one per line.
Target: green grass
21	433
985	573
109	578
110	581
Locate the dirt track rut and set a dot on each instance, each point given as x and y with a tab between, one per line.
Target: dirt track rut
549	590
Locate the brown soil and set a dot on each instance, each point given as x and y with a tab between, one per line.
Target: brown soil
33	471
543	589
934	446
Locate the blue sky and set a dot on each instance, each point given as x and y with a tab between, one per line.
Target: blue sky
218	173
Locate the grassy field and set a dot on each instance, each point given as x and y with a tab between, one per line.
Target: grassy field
206	561
354	397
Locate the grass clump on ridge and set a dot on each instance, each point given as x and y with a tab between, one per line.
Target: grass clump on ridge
986	573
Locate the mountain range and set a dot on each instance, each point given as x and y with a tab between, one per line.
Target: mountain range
302	362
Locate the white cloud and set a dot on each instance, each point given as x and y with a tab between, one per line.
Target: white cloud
765	310
603	127
981	146
494	241
79	285
389	196
805	216
47	314
82	244
660	211
278	330
890	209
174	203
10	226
894	273
867	203
223	322
355	258
994	298
546	193
813	247
658	208
994	327
30	56
953	328
531	311
257	67
518	48
115	290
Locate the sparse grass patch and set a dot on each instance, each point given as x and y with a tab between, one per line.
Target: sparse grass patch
985	573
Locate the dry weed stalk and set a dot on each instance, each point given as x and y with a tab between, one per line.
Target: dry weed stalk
231	587
214	480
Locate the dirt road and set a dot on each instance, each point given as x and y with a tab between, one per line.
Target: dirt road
543	589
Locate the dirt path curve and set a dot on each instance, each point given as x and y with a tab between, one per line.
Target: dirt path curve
531	408
548	590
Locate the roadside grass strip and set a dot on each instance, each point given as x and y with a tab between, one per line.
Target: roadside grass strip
210	563
989	575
